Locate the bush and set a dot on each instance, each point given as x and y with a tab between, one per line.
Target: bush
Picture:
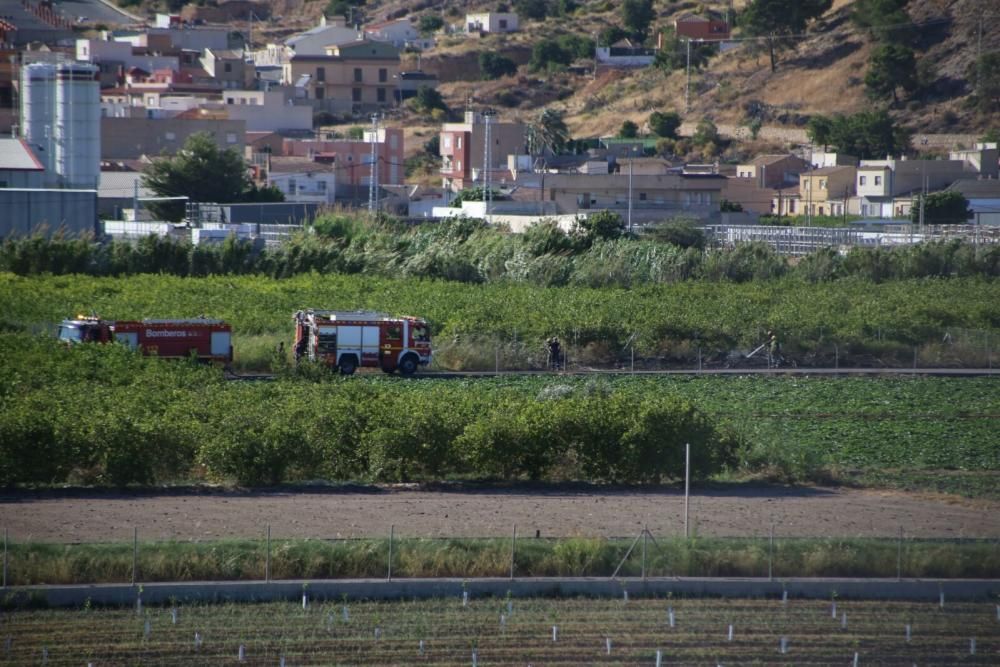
628	130
495	65
664	124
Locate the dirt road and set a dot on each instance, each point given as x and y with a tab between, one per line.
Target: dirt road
552	511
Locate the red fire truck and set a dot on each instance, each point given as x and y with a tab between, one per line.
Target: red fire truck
203	339
346	340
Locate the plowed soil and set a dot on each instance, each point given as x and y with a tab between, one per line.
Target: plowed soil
481	512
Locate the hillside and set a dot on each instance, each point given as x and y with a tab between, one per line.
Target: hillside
822	73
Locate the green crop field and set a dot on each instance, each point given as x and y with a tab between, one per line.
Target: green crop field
487	631
853	318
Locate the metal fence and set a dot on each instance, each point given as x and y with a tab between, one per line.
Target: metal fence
796	241
644	555
875	348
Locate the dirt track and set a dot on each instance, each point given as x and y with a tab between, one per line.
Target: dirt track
489	512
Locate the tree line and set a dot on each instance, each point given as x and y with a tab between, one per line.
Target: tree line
597	253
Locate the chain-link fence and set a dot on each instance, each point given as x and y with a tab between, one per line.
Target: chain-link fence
871	348
271	558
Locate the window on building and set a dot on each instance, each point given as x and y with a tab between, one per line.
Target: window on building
446	141
503	24
321	186
878	180
791	206
170	136
862	180
822	184
321	74
291	186
380	94
228	67
458	142
356	94
642	196
230	100
358	75
230	137
319	92
383	75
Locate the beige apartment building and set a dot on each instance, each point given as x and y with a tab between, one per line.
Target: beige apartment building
826	191
361	75
463	146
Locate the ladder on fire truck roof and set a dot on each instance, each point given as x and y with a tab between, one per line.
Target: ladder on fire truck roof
334	315
192	320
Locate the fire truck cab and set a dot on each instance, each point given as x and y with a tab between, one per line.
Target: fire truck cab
346	340
203	339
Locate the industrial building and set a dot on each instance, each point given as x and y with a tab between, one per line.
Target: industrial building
58	160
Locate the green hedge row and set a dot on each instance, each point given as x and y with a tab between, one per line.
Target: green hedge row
100	414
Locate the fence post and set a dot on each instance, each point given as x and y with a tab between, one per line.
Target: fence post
899	556
645	532
392	530
267	558
687	487
135	552
4	558
513	545
770	555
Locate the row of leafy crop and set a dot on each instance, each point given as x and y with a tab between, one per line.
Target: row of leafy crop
103	415
658	319
466	251
107	416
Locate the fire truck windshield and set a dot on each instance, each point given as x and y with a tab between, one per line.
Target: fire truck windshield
70	333
421	333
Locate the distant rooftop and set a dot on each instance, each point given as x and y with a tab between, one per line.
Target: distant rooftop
16	155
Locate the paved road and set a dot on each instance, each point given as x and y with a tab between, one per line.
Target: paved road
95	11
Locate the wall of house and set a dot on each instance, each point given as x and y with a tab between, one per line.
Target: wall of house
318	187
129	138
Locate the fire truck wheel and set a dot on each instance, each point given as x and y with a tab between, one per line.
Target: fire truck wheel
347	365
408	365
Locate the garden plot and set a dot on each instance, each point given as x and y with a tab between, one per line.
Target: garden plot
491	631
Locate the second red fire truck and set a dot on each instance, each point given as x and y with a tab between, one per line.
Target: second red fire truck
199	338
346	340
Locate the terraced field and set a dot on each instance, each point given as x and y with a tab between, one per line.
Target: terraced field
528	631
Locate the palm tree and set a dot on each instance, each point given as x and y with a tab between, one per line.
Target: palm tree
551	131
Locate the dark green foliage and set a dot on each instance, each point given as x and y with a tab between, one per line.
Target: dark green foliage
984	73
611	34
866	134
637	16
891	66
603	225
943	208
664	124
495	65
777	20
551	131
204	173
578	46
628	130
535	10
549	54
705	133
681	233
430	23
886	19
427	100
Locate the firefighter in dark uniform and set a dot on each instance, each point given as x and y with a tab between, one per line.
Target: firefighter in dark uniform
554	353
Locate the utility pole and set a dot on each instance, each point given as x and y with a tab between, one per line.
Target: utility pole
373	179
487	162
630	191
135	200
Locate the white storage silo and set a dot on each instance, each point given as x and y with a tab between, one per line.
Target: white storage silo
78	125
38	105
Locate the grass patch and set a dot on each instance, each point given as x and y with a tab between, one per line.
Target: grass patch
32	563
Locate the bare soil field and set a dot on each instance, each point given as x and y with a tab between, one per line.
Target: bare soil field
549	511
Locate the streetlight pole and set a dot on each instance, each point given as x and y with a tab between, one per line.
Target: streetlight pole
487	163
373	177
630	191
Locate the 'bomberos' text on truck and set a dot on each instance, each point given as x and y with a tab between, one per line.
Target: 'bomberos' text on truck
198	338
